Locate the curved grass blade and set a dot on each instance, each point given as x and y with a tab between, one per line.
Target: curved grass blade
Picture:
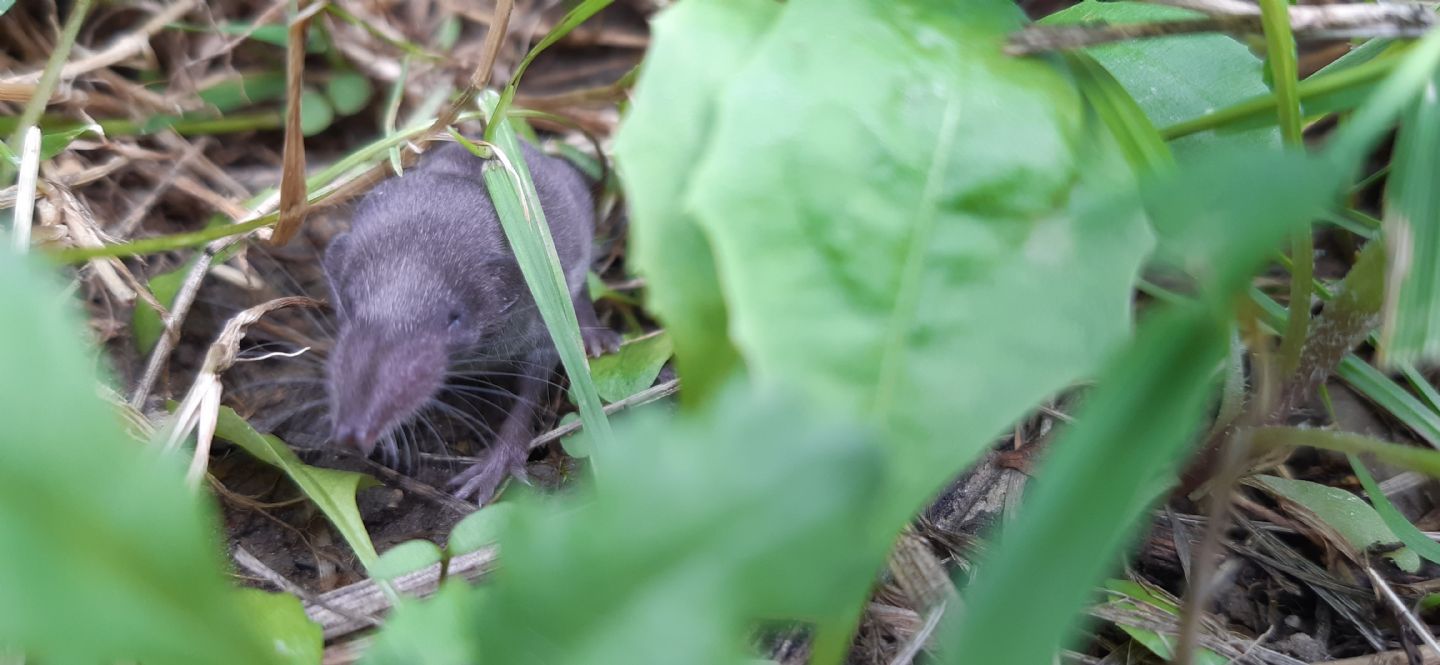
523	219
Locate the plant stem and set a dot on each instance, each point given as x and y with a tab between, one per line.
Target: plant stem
1280	46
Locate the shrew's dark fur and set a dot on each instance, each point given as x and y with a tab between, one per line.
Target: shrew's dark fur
425	284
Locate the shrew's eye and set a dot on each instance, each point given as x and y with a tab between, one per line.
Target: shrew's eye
455	318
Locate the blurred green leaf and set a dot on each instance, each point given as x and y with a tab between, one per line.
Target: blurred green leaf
282	619
696	50
1411	330
145	324
5	6
404	558
238	92
884	273
479	529
1351	518
1180	77
439	630
99	533
315	112
631	369
705	524
330	490
1394	519
1349	146
274	35
349	91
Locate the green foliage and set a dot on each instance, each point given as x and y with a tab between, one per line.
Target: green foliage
100	534
883	271
696	50
145	324
671	567
1133	596
406	557
631	369
479	528
1178	78
348	91
315	112
1353	519
1394	520
330	490
1412	232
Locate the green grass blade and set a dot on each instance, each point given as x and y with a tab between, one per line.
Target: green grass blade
1411	329
1280	43
1097	486
1389	396
1139	140
1342	83
1354	140
524	222
574	18
1394	519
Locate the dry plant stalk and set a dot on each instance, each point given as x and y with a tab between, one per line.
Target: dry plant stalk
199	411
1306	21
293	204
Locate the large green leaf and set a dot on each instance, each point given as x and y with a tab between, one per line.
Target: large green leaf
1177	78
911	251
100	536
751	508
697	48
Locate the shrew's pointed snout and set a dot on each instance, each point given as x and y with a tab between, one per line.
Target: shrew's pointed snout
379	377
356	437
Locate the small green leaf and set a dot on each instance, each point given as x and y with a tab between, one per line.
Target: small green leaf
1394	519
576	445
1350	517
403	559
56	143
631	369
241	91
145	324
480	528
349	92
315	112
332	491
281	618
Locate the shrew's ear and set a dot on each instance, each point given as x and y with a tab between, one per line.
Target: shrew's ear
334	263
